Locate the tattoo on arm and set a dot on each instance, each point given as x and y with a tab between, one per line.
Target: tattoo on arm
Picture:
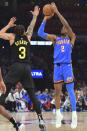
31	26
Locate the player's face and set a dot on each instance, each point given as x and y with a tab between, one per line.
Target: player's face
63	30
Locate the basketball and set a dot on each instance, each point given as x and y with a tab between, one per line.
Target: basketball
47	10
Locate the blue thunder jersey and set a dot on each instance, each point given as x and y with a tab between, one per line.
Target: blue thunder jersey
62	50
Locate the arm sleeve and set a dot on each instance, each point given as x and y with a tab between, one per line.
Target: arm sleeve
41	32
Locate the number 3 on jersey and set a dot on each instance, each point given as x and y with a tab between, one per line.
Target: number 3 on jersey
23	52
62	49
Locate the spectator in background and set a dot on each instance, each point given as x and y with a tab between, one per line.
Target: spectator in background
39	98
46	100
27	100
19	99
11	102
80	100
66	105
85	98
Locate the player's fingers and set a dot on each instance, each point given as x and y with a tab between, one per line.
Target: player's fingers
4	90
31	12
12	18
36	7
52	14
52	3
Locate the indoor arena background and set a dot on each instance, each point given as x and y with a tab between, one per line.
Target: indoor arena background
75	11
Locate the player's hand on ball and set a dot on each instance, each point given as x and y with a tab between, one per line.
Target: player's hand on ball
54	7
48	17
2	87
36	11
12	22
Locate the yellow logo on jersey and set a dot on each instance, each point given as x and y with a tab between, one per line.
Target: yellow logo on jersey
63	42
23	42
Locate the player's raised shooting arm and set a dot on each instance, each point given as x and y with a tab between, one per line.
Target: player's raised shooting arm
33	22
31	27
71	34
44	35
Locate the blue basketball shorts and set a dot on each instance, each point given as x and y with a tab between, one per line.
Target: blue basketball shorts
63	73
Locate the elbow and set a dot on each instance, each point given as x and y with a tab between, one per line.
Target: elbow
39	32
67	26
42	34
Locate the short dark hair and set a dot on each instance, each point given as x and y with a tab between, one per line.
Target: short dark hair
19	30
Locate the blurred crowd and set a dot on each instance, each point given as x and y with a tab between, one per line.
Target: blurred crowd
18	100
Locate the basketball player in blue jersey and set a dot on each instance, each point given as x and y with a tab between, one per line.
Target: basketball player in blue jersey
62	64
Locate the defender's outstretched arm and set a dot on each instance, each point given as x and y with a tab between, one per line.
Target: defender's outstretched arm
33	22
3	34
9	25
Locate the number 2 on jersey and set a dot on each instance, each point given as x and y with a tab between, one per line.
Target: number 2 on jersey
62	49
23	52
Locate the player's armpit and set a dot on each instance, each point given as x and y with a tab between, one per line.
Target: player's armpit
73	38
5	36
52	38
28	36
